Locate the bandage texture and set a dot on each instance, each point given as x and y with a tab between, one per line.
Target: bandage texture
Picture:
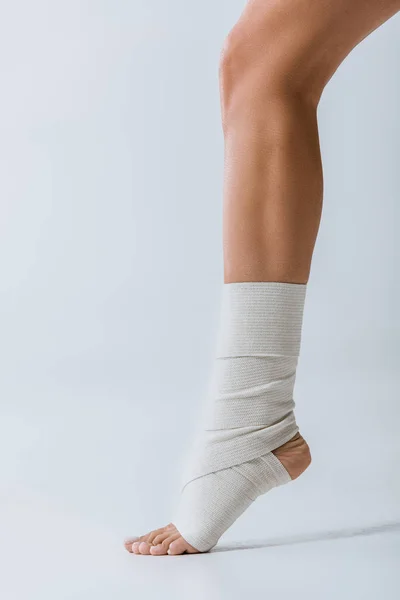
249	409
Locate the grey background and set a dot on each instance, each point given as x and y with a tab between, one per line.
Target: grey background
110	275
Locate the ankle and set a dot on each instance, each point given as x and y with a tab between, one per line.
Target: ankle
295	456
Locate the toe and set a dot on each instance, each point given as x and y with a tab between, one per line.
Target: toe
144	548
160	538
156	538
148	537
159	550
135	548
163	548
153	534
180	546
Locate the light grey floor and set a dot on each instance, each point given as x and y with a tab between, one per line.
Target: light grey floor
52	557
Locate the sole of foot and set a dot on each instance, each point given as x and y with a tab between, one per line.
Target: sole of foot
295	456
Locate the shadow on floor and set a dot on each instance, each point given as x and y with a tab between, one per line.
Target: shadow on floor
313	537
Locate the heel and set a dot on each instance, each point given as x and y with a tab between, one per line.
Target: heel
294	456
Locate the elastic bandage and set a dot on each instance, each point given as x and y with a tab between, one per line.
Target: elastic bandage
250	409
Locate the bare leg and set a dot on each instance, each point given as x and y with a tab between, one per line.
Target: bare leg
275	65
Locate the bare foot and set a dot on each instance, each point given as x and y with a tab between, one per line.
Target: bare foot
295	457
166	540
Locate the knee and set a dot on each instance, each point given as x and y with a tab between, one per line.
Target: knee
273	57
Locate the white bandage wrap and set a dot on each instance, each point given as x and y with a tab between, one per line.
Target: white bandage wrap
250	411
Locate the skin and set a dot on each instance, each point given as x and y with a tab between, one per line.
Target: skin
275	65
